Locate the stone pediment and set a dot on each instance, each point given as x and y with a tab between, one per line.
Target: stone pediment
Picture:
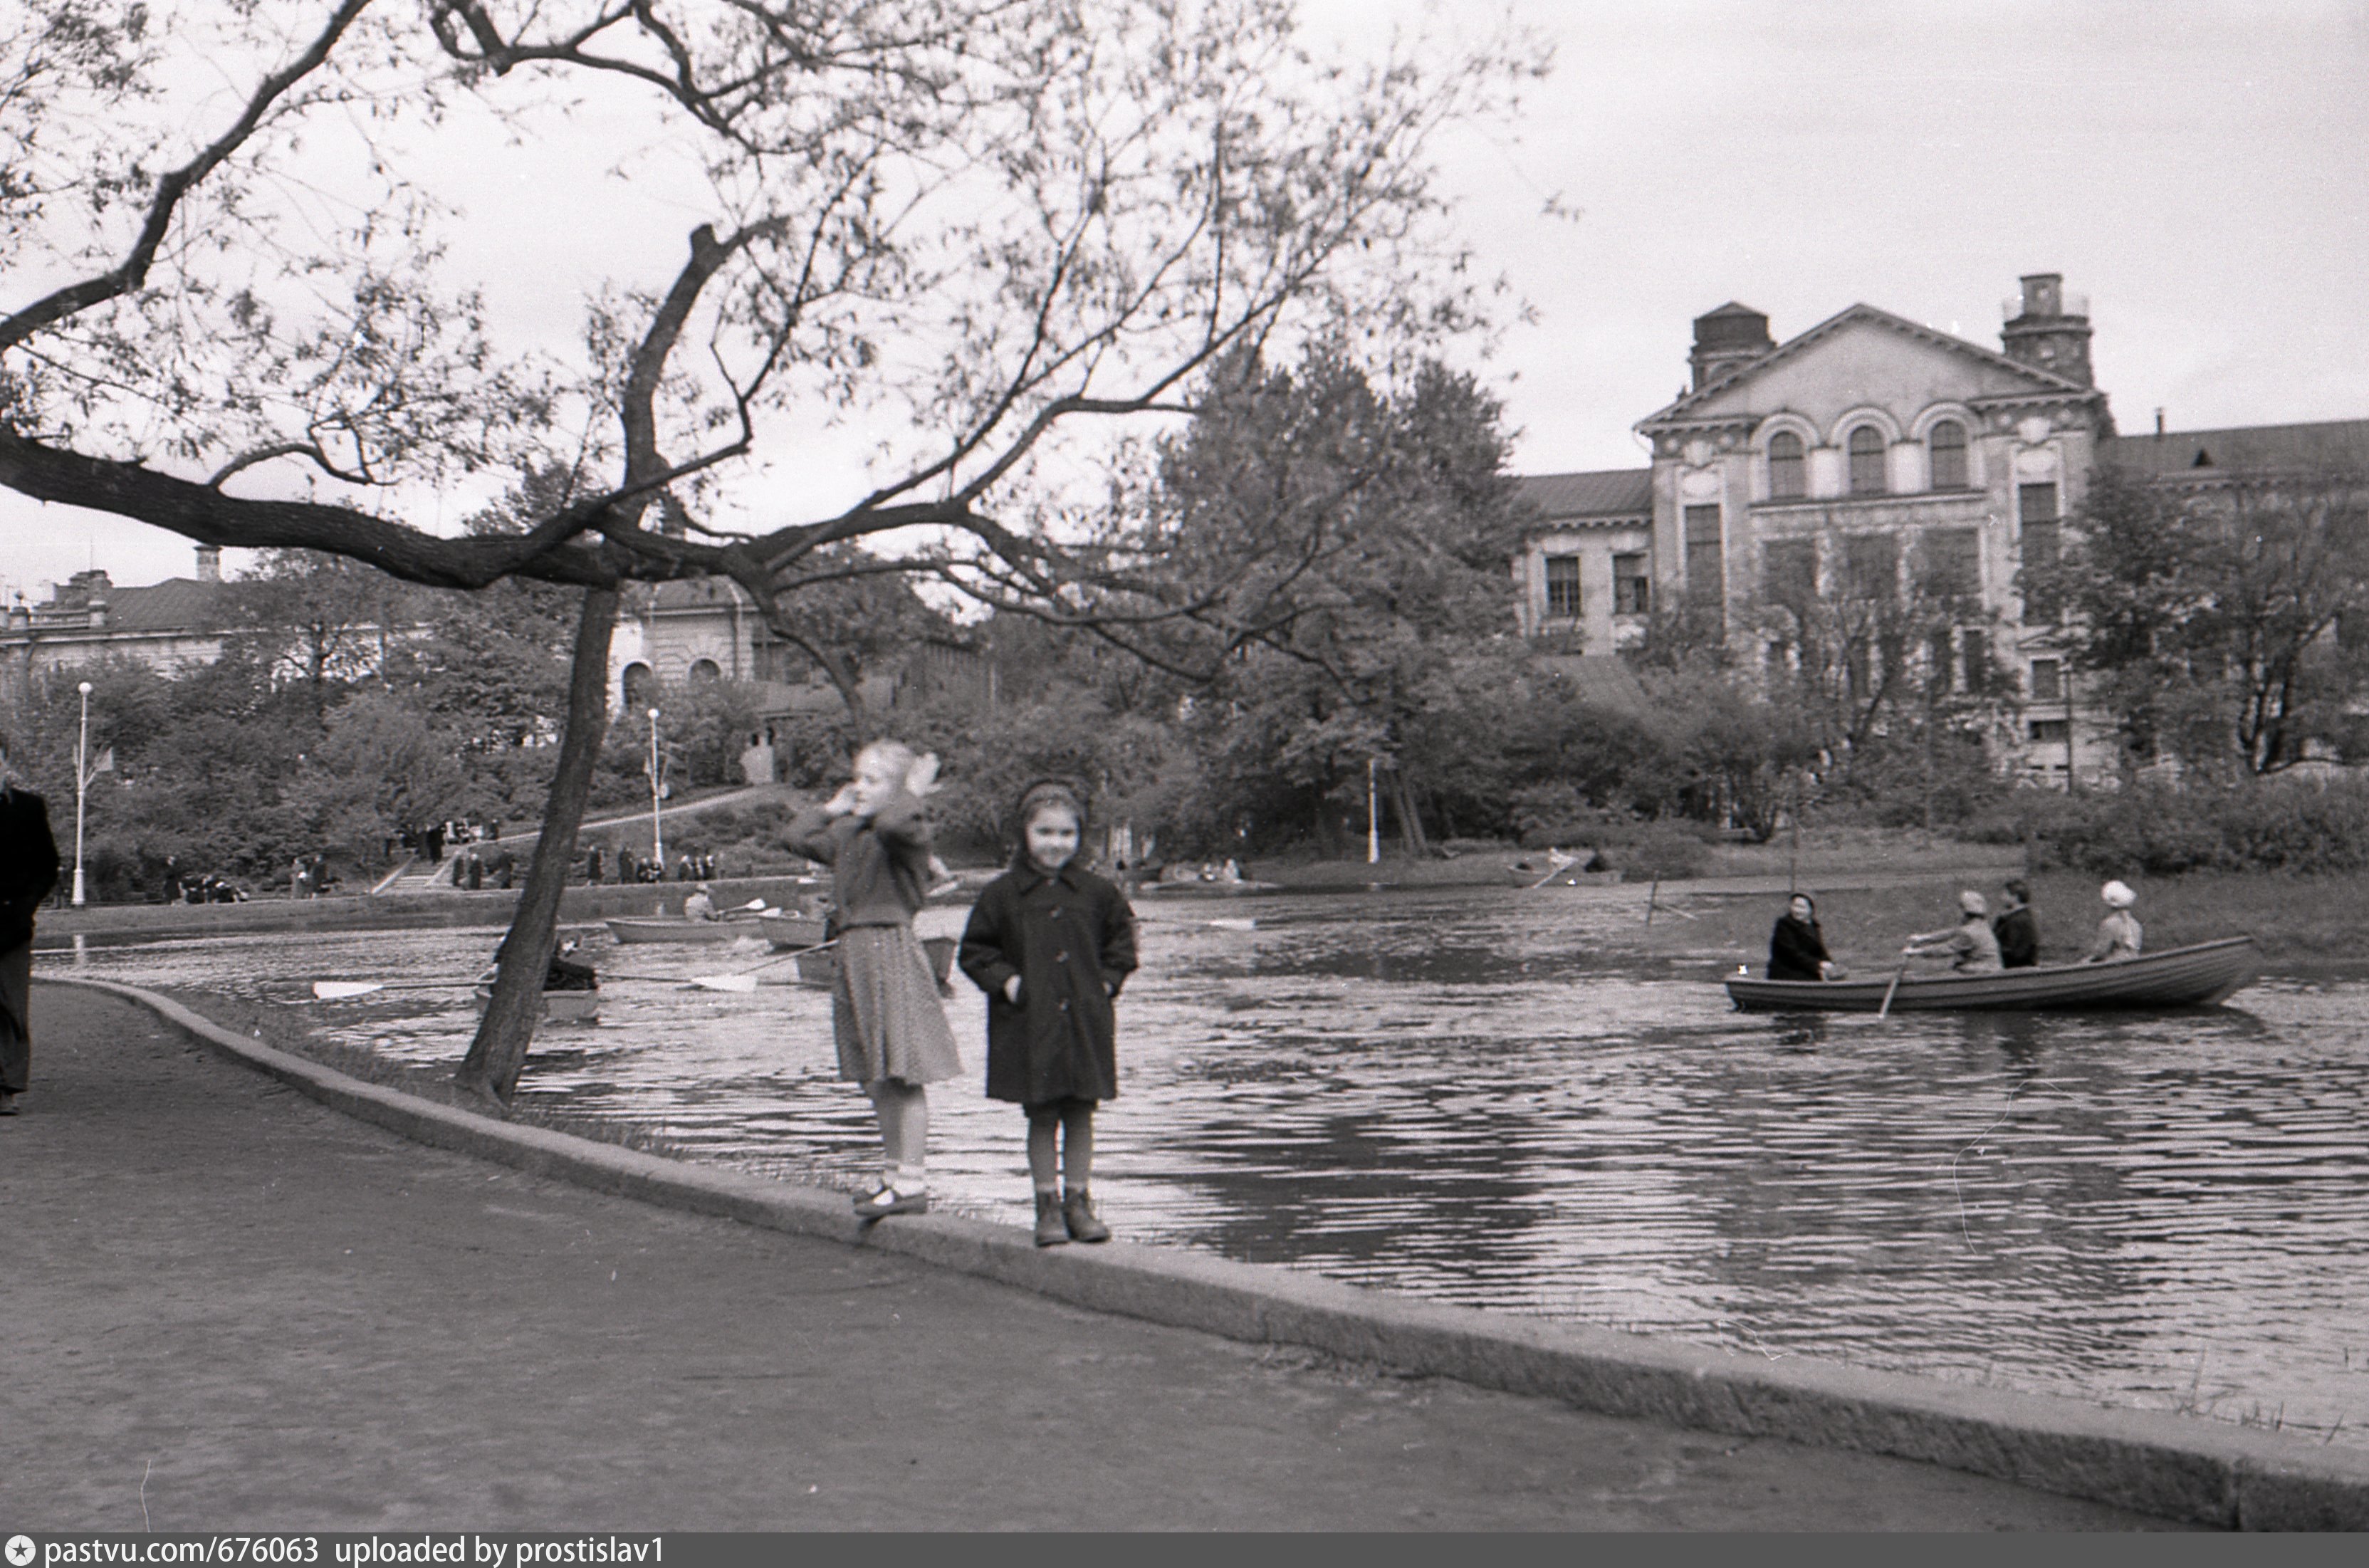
1863	357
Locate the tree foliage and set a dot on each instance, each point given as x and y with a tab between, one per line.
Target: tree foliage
2209	615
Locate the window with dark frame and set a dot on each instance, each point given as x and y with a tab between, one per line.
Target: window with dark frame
1867	476
2047	683
1789	571
1872	565
1786	479
1940	660
2047	729
1946	446
1563	588
2040	537
1706	557
1633	590
1975	658
1950	562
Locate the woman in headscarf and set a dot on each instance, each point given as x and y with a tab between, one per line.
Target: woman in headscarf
1797	948
2119	934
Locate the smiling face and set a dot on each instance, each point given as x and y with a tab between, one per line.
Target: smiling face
1800	909
1052	839
877	778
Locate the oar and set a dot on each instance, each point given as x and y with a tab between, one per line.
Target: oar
339	990
1894	986
745	980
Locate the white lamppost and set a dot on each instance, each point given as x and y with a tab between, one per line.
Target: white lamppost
657	844
1373	818
82	786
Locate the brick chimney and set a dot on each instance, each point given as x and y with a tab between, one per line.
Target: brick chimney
1726	339
2048	328
208	563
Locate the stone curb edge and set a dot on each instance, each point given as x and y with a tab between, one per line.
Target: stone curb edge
2161	1464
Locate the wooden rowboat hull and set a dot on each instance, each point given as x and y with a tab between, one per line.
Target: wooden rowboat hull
559	1006
820	967
2199	976
664	930
1212	889
789	933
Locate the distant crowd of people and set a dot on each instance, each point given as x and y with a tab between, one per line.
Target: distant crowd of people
624	865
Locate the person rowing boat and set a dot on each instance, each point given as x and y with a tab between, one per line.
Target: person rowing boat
1973	948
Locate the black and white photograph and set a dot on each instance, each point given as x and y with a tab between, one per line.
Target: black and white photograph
774	767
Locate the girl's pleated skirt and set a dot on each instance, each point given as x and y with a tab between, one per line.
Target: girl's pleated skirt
885	1010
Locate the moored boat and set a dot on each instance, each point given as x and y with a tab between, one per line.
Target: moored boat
819	966
2196	976
1211	889
559	1006
673	928
788	933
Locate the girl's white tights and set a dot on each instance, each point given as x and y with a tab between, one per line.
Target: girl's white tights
904	1112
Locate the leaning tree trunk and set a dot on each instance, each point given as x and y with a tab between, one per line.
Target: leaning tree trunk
499	1050
1410	833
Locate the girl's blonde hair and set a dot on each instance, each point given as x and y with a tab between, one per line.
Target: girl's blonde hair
896	753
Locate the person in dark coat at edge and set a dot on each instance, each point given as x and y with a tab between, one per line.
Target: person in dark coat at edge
2017	930
1051	943
28	872
1797	948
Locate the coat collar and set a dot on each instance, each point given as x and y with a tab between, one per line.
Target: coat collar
1031	876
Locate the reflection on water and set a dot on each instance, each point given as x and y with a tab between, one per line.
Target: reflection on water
1486	1098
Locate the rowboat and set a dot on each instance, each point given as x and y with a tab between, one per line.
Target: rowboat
1569	877
819	966
788	933
559	1006
1213	889
2197	976
675	929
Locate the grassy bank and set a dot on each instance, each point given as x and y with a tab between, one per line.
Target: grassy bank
2300	923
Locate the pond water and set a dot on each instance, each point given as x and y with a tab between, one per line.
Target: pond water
1501	1101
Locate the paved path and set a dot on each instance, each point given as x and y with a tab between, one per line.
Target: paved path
227	1307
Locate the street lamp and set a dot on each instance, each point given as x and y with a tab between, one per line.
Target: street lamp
82	786
657	844
1373	818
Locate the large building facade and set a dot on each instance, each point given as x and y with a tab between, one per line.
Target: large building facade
1870	459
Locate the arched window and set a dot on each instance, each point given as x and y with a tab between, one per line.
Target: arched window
1947	446
641	687
1867	461
1785	481
706	672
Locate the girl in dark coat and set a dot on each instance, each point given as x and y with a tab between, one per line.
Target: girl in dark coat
28	870
1797	948
1051	943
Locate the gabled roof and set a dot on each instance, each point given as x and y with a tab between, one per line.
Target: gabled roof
1599	493
2335	446
1793	348
177	604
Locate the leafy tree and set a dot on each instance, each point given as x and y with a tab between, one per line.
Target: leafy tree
2208	615
967	224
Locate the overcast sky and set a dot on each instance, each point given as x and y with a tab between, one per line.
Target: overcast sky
2200	171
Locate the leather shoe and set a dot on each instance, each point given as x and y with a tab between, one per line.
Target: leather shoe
887	1200
1077	1213
1052	1228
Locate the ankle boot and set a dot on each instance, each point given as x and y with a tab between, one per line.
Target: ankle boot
1077	1213
1052	1228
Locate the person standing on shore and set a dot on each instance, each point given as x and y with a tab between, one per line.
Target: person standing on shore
28	872
2119	934
1051	943
2017	932
886	1017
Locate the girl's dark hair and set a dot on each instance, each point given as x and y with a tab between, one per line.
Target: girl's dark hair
2016	885
1806	898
